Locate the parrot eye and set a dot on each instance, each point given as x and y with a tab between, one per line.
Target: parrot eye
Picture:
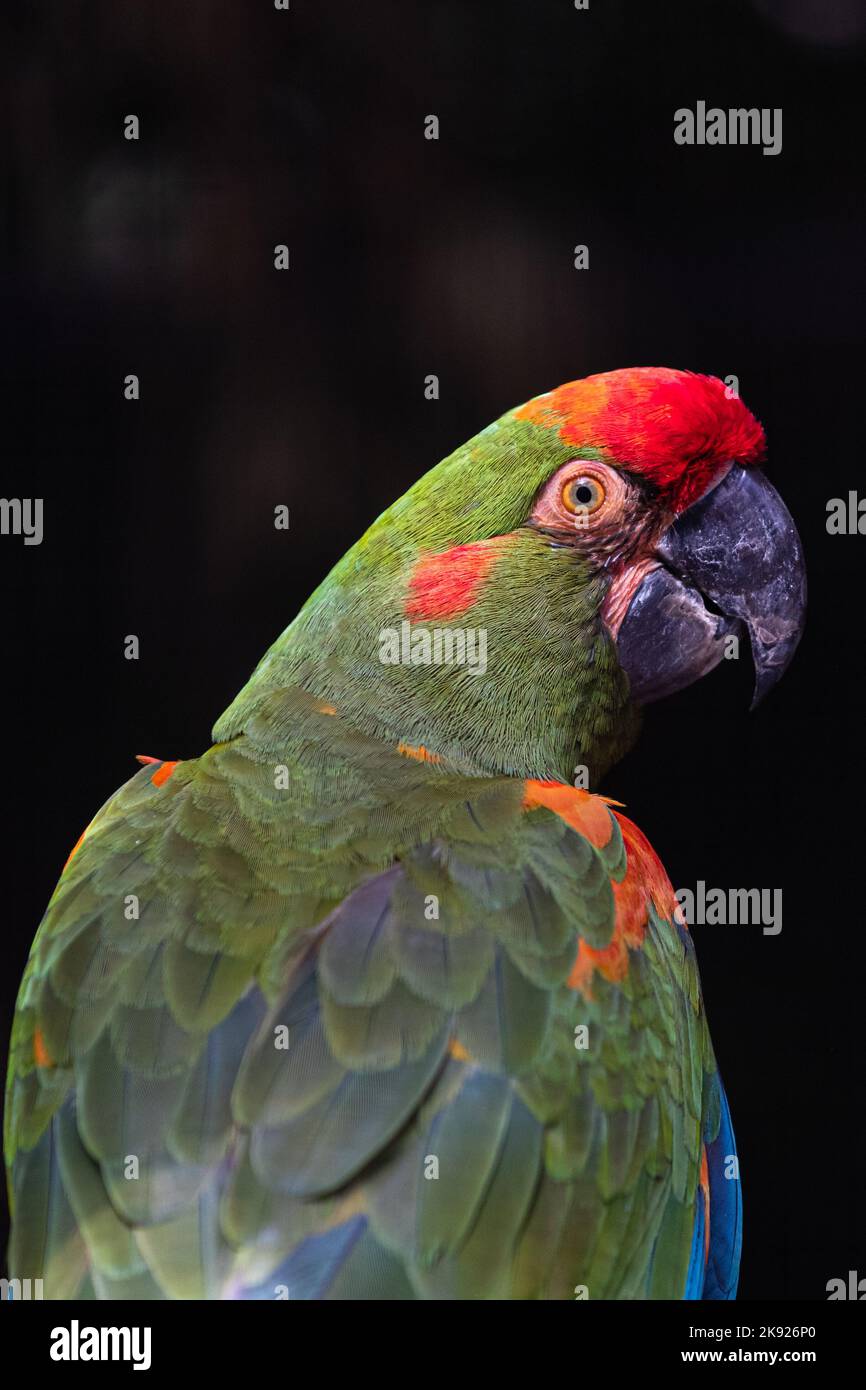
583	495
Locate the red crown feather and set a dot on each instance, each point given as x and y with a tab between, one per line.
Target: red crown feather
677	429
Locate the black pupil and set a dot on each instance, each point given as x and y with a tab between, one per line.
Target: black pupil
583	494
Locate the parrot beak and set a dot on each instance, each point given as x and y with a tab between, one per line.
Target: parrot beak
733	561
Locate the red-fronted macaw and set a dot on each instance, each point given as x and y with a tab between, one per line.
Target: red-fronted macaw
370	1000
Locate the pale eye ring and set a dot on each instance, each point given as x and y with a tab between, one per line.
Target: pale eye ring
583	494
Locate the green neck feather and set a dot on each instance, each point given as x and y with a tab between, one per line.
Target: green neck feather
552	697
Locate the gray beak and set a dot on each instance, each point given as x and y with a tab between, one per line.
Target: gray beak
732	562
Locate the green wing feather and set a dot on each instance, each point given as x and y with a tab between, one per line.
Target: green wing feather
299	1017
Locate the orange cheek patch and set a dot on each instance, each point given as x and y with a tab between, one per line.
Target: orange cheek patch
445	585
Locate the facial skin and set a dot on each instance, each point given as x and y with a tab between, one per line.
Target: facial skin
732	558
611	519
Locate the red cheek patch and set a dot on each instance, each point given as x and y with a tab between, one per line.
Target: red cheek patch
445	585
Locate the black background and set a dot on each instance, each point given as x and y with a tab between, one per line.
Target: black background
454	257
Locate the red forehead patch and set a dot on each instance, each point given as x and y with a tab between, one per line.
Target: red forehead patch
677	429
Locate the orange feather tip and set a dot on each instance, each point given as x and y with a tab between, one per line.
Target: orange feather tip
41	1056
582	810
645	880
419	753
75	848
163	772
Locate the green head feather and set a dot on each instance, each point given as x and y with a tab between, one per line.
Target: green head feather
552	696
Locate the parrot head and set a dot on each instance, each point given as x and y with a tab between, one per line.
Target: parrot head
592	550
705	548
